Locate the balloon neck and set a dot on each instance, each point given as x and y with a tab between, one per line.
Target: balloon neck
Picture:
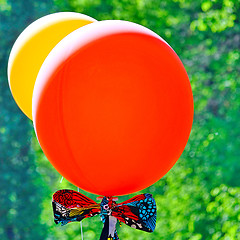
112	198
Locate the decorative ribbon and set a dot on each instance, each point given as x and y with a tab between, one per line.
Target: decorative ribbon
138	212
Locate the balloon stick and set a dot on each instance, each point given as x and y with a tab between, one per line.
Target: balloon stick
81	223
61	180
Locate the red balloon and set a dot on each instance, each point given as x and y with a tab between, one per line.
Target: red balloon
112	107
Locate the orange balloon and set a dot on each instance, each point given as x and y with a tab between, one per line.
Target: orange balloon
112	107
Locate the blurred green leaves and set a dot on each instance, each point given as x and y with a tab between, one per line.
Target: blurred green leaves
199	197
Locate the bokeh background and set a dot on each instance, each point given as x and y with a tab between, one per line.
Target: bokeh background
200	197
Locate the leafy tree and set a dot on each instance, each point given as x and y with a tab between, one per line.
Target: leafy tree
199	197
21	186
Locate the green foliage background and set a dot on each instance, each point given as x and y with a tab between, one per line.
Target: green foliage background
200	197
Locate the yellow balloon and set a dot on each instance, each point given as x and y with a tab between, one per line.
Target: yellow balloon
32	47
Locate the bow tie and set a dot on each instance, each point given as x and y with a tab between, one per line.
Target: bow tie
138	212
